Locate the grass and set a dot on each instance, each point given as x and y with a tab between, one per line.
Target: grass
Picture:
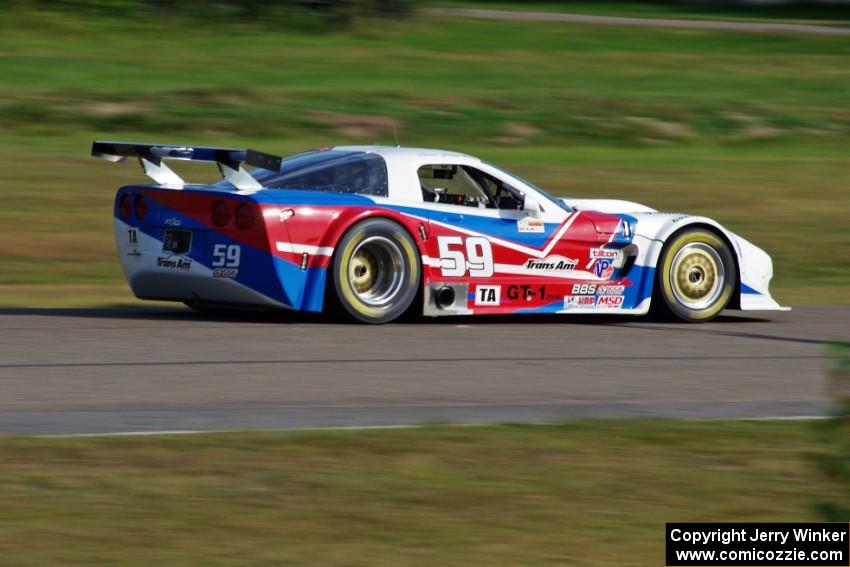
583	493
750	129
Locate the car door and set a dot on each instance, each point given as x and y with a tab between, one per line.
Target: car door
496	254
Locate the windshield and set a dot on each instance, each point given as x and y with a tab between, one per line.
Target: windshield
333	171
552	198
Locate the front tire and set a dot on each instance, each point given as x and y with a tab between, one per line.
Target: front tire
696	275
376	271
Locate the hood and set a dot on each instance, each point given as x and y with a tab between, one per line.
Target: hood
606	205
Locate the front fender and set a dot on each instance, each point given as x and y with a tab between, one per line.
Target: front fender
755	267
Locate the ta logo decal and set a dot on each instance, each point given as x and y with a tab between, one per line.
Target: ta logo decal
488	294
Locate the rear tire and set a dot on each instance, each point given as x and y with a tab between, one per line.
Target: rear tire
696	275
376	271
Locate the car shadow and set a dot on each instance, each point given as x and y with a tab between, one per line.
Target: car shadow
295	317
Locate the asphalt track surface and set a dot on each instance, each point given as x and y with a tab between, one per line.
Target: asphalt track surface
530	16
145	370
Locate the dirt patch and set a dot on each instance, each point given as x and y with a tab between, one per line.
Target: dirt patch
359	126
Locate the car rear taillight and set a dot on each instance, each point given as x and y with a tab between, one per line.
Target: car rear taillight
245	217
140	205
220	213
125	207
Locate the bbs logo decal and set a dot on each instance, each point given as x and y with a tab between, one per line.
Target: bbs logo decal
488	294
584	289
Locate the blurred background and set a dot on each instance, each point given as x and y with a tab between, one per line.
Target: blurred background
748	127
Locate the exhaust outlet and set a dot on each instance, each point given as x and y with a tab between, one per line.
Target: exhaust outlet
445	297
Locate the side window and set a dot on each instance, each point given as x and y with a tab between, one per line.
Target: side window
452	185
467	186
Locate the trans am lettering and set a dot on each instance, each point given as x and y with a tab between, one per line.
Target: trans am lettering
173	263
551	264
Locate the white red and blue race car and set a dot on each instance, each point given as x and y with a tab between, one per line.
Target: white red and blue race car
380	231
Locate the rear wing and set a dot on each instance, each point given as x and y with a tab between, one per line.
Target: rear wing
151	156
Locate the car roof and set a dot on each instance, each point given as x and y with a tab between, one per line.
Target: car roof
398	152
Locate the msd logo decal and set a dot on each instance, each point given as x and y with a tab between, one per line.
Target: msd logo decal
488	294
609	301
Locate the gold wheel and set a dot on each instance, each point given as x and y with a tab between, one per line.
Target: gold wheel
376	271
697	275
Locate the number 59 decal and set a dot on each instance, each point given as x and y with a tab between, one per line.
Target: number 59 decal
476	256
226	255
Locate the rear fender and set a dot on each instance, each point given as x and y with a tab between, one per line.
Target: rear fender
316	231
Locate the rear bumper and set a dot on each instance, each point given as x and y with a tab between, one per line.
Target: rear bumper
158	275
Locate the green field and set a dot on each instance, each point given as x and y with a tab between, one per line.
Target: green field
584	493
751	129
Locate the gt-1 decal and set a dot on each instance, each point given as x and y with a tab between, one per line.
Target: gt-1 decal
477	260
529	292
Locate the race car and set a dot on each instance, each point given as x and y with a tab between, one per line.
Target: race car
375	232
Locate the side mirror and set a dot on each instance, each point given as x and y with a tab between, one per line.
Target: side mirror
532	205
